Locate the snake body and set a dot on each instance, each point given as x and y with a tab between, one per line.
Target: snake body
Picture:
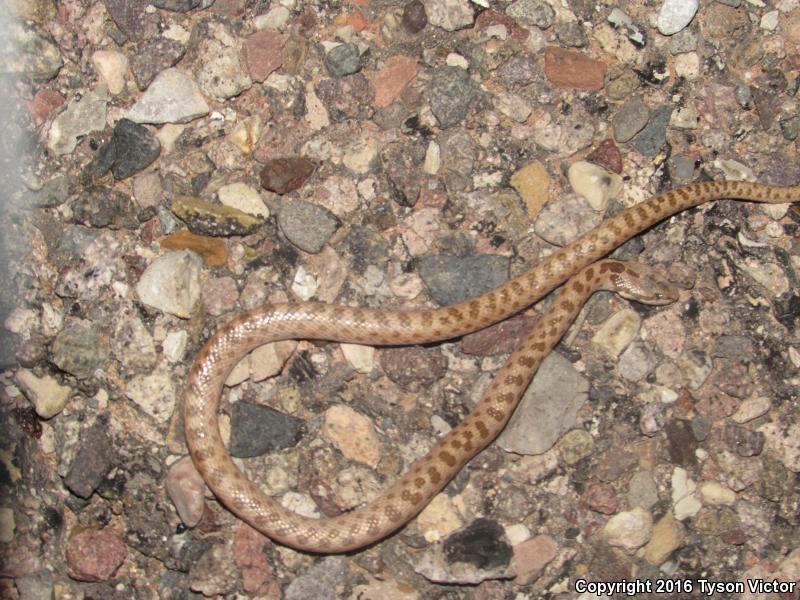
409	494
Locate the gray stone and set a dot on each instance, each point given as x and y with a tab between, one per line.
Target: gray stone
342	60
451	93
308	226
548	408
452	279
173	97
80	349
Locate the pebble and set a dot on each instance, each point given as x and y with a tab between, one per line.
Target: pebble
389	81
304	284
636	362
414	17
447	280
743	441
92	461
80	349
321	581
573	70
414	368
29	53
263	53
361	358
576	445
186	489
450	15
651	139
675	15
682	445
601	497
783	441
451	93
94	555
630	529
668	535
83	115
256	430
342	60
45	393
467	557
172	283
132	148
716	494
215	573
37	585
617	332
154	392
173	97
213	219
276	17
112	67
353	434
532	183
532	556
213	251
630	119
684	503
607	155
438	519
751	409
651	419
283	175
642	490
221	75
104	208
155	54
548	408
561	222
8	525
594	183
268	360
307	226
532	12
244	198
622	21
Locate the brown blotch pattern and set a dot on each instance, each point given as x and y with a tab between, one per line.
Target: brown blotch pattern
434	475
447	458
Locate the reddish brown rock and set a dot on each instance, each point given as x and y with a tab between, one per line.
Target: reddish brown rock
95	555
397	72
263	52
493	17
607	155
532	556
601	497
44	103
502	337
283	175
571	69
413	368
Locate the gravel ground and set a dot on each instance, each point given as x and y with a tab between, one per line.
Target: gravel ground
167	166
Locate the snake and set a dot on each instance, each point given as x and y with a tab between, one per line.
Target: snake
400	502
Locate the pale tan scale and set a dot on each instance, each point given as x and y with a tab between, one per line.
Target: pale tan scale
410	493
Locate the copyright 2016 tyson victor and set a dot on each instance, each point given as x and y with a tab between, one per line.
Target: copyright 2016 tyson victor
706	587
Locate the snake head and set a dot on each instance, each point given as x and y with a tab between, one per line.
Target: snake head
642	283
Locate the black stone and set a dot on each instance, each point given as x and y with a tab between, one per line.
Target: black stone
257	429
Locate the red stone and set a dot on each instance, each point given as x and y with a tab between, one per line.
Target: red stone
571	69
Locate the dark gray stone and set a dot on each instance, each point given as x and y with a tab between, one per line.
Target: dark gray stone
452	279
256	430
